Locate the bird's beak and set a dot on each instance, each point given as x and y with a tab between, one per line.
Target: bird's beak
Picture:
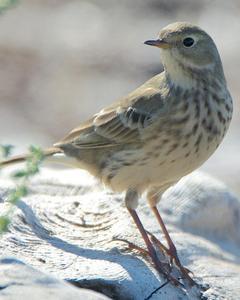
158	43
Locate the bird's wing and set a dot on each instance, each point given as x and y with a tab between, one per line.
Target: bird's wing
123	122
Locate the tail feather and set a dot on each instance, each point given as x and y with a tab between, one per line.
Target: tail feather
22	158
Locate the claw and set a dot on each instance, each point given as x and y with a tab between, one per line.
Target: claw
133	246
172	253
162	267
162	247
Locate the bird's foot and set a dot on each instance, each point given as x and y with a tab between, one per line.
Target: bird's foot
132	246
174	259
163	268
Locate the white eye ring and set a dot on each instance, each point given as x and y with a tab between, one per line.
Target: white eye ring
188	42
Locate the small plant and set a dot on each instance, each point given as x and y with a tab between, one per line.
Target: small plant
6	4
6	150
21	178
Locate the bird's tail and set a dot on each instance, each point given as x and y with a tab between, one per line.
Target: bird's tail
22	158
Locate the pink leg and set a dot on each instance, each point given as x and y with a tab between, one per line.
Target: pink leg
130	200
172	251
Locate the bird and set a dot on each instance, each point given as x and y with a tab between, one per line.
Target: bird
165	129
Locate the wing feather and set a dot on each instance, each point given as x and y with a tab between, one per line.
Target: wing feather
121	123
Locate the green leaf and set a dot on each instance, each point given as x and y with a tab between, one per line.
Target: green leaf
4	223
20	174
15	195
22	191
32	168
35	150
35	157
6	149
5	4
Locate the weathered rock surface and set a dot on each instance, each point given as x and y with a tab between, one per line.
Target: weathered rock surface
22	282
67	224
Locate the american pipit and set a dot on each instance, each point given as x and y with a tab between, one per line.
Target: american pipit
160	132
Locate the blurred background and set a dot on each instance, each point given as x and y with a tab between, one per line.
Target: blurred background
61	61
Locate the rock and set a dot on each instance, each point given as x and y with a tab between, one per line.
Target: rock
68	224
19	281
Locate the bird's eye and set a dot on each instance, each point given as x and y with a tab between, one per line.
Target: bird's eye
188	42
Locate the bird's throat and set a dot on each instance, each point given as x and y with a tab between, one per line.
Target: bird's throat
177	73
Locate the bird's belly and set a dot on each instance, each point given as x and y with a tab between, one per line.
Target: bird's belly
183	160
158	164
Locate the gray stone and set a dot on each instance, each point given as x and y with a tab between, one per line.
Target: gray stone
20	281
68	224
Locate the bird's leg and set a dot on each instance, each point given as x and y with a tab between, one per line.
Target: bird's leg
131	201
172	251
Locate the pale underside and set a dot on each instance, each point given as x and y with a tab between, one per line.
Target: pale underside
154	136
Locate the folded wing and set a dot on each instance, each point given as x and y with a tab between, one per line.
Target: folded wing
123	122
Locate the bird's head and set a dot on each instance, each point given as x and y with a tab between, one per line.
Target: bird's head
187	49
